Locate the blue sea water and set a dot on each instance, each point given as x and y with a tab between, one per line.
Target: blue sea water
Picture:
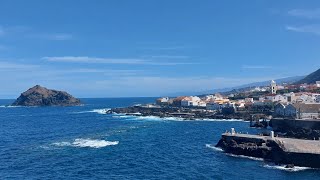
83	143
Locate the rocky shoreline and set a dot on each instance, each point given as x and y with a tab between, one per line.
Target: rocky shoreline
179	112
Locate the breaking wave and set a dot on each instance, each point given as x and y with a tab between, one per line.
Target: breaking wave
93	143
213	147
222	120
283	168
247	157
157	118
99	111
6	106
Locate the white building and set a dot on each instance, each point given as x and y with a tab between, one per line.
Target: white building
248	100
316	97
306	98
190	101
291	97
163	100
318	83
277	98
214	106
273	86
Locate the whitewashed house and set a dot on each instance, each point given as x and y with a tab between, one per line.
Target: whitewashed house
291	97
214	106
190	101
277	98
318	84
316	97
248	100
306	98
162	101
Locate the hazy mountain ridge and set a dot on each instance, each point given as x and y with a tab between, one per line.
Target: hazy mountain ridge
254	84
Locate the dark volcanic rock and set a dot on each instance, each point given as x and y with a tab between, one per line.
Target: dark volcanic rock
41	96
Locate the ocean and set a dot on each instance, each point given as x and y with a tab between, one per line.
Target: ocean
83	143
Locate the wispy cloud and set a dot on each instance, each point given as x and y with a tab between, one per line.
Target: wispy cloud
255	67
105	72
165	48
166	56
305	13
3	47
27	32
133	61
16	66
52	36
2	31
314	29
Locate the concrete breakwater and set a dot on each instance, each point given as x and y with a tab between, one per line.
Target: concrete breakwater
297	128
293	152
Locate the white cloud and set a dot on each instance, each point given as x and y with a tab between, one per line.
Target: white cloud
2	31
133	61
167	57
52	36
165	48
2	47
305	13
27	32
255	67
60	37
16	66
314	29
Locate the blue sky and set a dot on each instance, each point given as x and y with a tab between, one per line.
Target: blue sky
154	47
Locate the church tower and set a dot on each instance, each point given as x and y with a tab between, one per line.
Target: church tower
273	87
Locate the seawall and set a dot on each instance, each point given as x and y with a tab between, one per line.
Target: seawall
284	125
296	152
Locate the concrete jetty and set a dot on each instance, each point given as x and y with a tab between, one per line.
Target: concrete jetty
289	145
280	150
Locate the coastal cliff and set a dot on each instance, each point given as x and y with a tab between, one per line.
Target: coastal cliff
41	96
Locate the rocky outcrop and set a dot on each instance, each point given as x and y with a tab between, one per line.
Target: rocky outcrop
283	151
259	148
41	96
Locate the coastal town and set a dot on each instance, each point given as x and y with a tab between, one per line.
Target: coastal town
297	101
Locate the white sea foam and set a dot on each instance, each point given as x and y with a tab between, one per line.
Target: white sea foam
6	106
93	143
213	147
222	120
157	118
247	157
62	144
283	168
154	118
99	111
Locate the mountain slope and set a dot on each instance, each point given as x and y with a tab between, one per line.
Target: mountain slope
311	78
